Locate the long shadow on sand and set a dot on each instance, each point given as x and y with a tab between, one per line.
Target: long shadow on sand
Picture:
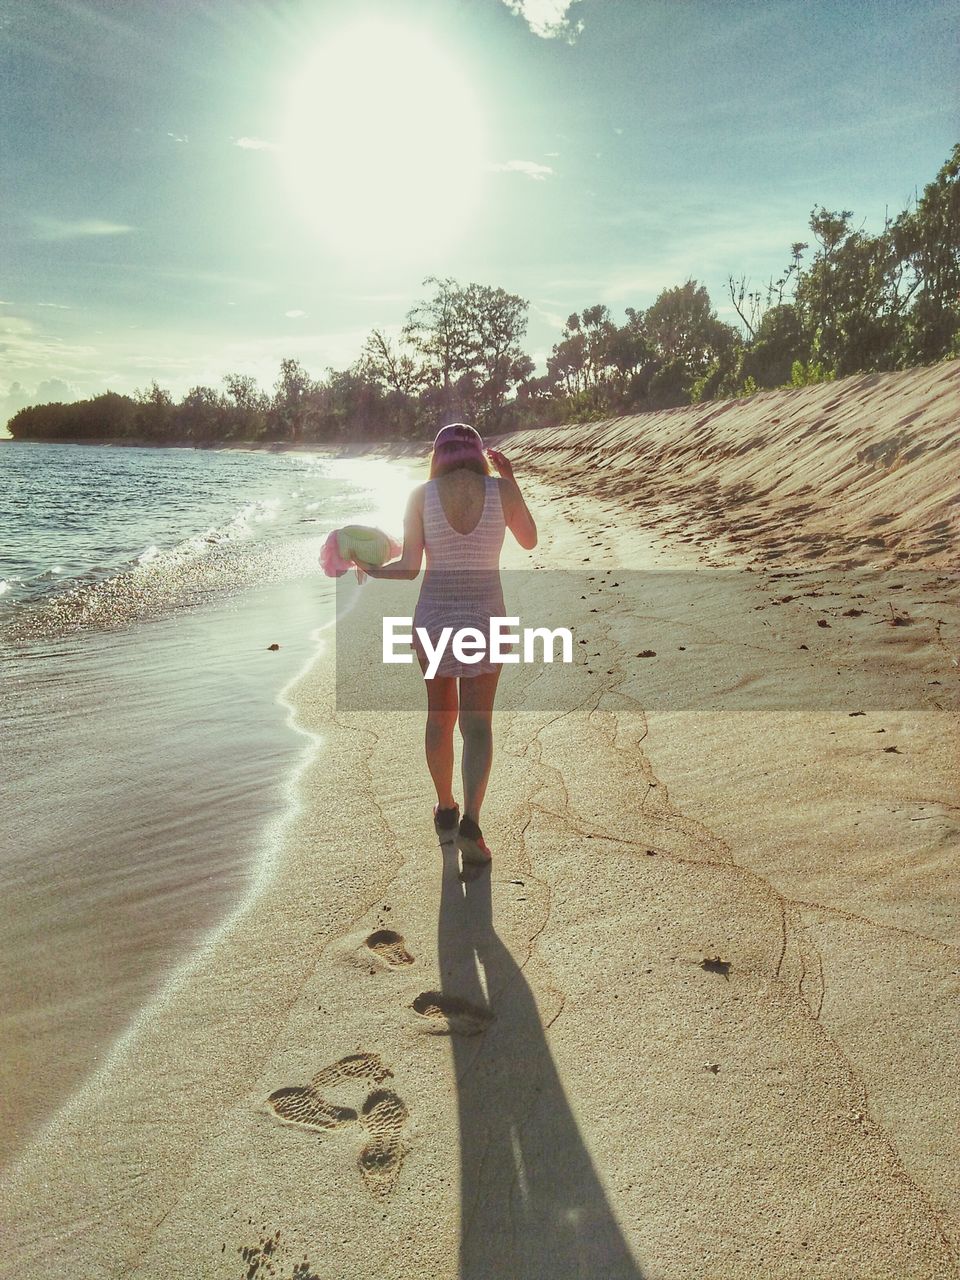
532	1204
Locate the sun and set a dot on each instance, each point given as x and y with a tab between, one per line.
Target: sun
383	145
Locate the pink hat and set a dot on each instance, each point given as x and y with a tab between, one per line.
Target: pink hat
459	438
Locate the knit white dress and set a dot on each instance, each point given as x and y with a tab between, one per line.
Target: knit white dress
461	583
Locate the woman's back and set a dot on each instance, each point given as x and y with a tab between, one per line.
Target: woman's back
463	522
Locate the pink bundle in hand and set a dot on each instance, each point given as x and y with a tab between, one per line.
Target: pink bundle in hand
344	547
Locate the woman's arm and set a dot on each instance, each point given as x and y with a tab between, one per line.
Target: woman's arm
515	510
411	557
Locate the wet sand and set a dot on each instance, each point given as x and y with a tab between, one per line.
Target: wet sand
133	820
699	1019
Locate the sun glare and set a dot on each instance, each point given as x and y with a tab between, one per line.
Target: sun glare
384	141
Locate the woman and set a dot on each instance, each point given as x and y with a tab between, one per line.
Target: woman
458	518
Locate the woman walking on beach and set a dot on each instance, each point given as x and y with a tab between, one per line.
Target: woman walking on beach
458	517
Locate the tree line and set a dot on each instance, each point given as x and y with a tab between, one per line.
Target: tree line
847	301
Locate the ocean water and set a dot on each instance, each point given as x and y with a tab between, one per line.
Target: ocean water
146	747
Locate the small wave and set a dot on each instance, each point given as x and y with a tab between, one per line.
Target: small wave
170	536
242	525
153	588
51	586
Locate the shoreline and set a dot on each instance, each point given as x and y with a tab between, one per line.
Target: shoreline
141	831
260	875
688	1105
158	872
356	449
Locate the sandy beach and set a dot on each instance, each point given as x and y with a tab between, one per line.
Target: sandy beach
699	1021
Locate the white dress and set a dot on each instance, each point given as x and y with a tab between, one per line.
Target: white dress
461	583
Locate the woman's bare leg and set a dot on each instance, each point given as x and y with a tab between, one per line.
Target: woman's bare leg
476	712
438	738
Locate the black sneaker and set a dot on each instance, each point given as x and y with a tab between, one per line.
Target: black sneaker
471	843
446	822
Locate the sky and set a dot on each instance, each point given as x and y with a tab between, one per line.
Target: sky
191	188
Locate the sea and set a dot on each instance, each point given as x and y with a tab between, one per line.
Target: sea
154	606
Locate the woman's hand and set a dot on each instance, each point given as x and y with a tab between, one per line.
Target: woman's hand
503	465
408	566
516	513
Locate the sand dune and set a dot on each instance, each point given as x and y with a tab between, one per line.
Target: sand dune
845	472
699	1021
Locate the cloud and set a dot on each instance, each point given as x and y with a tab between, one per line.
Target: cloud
691	241
547	18
553	318
254	144
295	314
57	306
178	359
56	229
538	172
178	137
25	348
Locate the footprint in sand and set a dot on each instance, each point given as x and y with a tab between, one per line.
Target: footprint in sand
390	947
355	1066
302	1105
305	1106
383	1117
450	1015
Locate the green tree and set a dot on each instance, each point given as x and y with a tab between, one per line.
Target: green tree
390	365
202	417
468	340
567	362
849	300
927	241
108	416
435	329
687	338
494	323
395	371
247	408
630	360
154	418
350	406
294	397
809	374
778	342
